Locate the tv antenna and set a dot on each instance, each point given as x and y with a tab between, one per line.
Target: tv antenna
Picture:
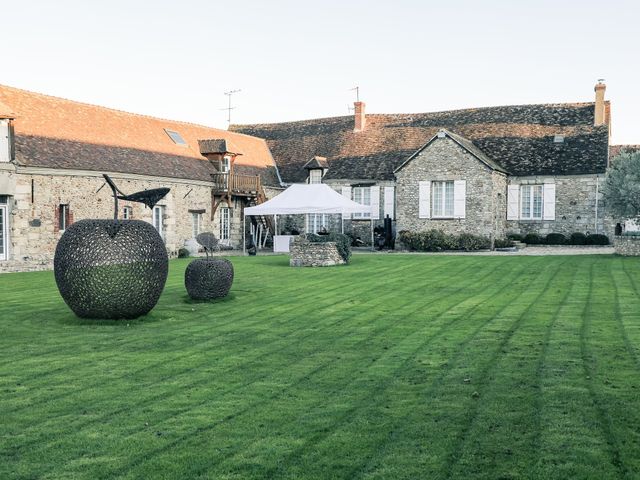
357	89
229	108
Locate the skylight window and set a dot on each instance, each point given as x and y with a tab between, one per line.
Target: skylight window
176	137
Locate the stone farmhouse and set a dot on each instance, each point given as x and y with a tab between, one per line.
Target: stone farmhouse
489	171
53	153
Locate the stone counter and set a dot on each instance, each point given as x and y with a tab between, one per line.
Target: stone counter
627	245
307	254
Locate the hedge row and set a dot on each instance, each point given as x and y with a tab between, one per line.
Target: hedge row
576	238
437	241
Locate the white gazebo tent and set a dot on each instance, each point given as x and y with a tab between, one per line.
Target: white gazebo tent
303	199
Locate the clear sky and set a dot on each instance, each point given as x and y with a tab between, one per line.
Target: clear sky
298	59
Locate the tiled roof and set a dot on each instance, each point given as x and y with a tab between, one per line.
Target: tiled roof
59	133
615	150
5	111
518	138
316	162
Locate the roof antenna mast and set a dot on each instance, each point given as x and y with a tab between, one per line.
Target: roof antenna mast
229	108
357	89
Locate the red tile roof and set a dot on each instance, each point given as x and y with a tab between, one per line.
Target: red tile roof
60	133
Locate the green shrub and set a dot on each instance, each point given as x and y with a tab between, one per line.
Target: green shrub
469	242
555	239
578	238
597	239
503	243
515	236
437	241
343	242
532	239
183	253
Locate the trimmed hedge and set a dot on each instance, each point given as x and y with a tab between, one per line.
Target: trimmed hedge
515	236
343	242
578	238
597	239
438	241
555	239
532	239
183	253
503	243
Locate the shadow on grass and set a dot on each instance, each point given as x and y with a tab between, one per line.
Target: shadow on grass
190	301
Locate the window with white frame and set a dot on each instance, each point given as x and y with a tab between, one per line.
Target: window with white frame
63	217
5	140
225	164
158	219
225	224
362	195
315	175
531	202
442	199
317	222
127	213
195	224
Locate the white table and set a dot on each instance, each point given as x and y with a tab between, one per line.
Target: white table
281	243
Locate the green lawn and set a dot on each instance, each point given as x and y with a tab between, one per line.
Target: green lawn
397	366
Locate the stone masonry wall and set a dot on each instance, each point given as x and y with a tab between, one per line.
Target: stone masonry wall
443	159
33	221
575	207
627	245
307	254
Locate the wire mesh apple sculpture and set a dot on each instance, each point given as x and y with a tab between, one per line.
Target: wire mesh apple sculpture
112	269
211	277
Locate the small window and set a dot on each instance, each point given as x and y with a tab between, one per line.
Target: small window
225	164
315	175
362	195
317	222
176	137
442	199
63	217
195	224
127	213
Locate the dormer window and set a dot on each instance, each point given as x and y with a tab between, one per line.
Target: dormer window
176	137
315	175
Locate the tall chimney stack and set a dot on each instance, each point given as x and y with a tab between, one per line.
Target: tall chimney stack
360	117
599	109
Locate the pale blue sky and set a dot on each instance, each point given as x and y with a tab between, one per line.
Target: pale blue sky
298	59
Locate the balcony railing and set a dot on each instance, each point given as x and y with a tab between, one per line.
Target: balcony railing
236	184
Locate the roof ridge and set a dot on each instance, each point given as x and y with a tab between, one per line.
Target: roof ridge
457	110
102	107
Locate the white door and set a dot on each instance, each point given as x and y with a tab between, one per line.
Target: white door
224	225
4	233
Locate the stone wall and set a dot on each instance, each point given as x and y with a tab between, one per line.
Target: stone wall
35	199
307	254
627	245
575	207
444	159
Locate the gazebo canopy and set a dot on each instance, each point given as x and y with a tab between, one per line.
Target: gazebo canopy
302	198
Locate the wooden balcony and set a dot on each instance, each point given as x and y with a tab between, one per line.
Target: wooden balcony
242	185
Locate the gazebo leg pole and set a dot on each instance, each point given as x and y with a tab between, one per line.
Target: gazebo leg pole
244	233
342	222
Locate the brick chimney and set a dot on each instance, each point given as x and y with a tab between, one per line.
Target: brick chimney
360	118
599	116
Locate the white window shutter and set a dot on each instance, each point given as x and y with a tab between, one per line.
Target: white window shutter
375	202
424	199
346	192
513	202
4	141
549	199
389	201
459	198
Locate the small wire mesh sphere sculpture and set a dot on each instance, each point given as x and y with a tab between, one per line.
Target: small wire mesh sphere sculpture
208	278
112	269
